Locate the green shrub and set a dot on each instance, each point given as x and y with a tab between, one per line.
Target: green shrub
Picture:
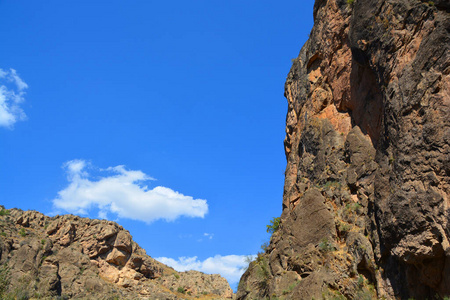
264	246
344	228
42	260
274	225
21	294
4	212
290	288
360	280
4	280
350	2
248	260
22	232
263	272
181	290
326	245
354	207
333	295
330	185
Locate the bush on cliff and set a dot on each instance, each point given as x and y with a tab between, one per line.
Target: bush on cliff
274	225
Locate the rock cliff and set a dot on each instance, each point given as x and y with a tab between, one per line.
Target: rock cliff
366	197
68	257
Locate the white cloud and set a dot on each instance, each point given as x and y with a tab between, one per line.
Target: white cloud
230	267
122	193
12	92
209	235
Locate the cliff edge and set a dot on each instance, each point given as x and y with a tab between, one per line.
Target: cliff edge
366	197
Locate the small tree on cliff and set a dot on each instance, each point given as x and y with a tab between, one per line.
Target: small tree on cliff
274	225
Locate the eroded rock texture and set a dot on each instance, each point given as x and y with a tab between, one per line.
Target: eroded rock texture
366	196
68	257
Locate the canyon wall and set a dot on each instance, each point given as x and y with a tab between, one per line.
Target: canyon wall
366	197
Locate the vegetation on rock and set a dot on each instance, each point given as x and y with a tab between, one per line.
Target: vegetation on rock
274	225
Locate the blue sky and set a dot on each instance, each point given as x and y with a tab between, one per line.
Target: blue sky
165	116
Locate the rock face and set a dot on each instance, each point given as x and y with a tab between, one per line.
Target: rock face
366	196
79	258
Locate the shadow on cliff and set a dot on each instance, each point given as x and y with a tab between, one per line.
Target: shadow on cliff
366	99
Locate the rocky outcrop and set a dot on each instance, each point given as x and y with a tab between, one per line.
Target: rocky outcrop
366	196
80	258
197	283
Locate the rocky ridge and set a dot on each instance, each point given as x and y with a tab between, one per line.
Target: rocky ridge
366	197
69	257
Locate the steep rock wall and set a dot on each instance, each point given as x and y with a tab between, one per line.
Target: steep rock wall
366	196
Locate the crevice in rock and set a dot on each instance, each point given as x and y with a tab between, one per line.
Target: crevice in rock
366	101
305	274
364	270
